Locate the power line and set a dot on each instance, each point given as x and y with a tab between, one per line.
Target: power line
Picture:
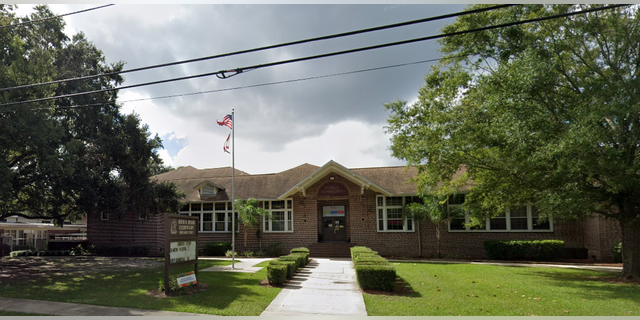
223	75
249	68
54	17
245	87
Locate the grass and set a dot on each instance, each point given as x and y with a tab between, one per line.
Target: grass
483	290
229	293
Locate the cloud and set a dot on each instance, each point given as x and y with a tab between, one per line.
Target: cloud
285	124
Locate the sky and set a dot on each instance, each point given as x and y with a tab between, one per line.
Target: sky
277	126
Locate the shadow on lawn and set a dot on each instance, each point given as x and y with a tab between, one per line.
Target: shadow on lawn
591	285
129	289
403	289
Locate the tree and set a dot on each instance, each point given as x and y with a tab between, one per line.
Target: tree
250	214
431	208
545	113
65	158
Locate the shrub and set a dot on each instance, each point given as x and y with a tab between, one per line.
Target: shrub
247	253
360	250
378	277
276	273
291	266
21	253
303	251
617	252
304	255
216	248
273	249
298	259
229	253
531	249
373	259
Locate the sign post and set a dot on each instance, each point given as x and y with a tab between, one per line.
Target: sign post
180	246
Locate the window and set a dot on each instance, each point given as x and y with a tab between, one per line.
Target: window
104	216
213	216
142	215
389	211
517	219
281	212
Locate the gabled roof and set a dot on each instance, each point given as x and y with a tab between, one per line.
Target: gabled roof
385	180
207	182
329	167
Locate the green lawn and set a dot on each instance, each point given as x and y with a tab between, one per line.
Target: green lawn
483	290
229	293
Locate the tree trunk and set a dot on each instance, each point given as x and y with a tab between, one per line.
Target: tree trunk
438	240
630	248
419	239
245	237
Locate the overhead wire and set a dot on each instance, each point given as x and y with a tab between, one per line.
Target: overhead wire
243	87
249	68
54	17
286	44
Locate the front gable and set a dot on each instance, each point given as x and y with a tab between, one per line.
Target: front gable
208	188
333	167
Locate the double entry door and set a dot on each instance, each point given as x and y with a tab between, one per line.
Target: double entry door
334	229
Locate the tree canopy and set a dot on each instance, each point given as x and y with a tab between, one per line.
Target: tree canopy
546	113
68	157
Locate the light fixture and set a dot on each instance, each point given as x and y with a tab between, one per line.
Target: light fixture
332	178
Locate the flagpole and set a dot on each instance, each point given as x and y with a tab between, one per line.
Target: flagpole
233	190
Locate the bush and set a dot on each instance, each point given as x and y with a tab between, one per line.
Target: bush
21	253
276	273
216	248
229	253
298	259
273	249
378	277
303	251
247	253
290	265
360	250
530	249
617	253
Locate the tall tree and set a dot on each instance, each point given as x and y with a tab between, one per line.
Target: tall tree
65	158
546	113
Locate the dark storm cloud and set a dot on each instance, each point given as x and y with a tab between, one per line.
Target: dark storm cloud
143	35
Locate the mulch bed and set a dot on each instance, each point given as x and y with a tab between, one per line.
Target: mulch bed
186	291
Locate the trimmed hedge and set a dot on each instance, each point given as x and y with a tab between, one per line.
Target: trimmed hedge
216	248
290	265
372	270
529	249
298	259
302	251
276	273
378	277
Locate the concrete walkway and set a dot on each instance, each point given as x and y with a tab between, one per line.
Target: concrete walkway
325	287
245	265
75	309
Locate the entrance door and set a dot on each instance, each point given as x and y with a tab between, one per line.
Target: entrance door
334	229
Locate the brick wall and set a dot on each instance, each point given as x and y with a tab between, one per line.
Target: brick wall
595	233
127	232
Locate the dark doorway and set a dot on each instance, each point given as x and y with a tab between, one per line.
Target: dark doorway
334	229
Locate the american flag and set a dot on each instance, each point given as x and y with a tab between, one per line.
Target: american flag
226	144
226	121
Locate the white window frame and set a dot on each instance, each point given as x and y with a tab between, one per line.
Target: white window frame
267	226
201	212
385	216
104	216
487	227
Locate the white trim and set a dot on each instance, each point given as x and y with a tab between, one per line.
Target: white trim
508	224
339	169
384	209
288	209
